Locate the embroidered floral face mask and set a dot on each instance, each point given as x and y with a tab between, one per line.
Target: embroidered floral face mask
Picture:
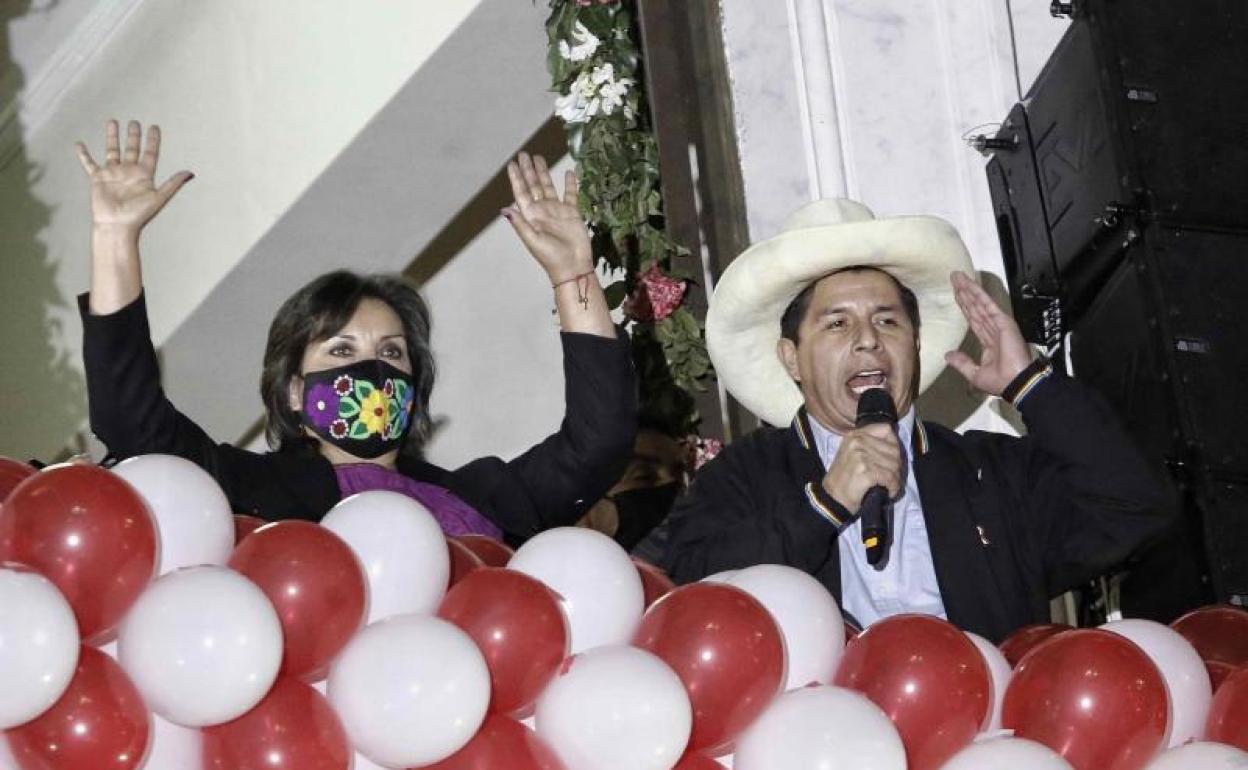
364	408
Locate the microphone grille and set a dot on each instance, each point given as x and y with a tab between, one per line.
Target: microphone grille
875	405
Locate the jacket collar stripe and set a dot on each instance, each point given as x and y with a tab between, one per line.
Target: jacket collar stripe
820	508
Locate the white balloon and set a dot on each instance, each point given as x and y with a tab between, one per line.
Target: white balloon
38	645
362	762
174	747
401	547
726	761
616	708
821	728
1201	755
1187	679
999	675
192	514
202	644
809	620
725	577
411	690
600	587
1006	754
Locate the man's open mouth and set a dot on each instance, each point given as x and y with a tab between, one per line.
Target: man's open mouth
867	379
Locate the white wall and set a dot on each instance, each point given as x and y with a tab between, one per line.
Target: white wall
256	98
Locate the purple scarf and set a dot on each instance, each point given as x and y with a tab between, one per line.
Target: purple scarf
454	515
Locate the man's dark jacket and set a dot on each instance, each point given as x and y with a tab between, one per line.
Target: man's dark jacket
552	484
1011	521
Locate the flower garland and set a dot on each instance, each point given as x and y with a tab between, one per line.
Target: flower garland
595	67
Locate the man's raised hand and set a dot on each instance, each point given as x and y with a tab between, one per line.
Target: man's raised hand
1005	352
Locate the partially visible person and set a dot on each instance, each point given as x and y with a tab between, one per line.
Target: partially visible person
348	372
644	494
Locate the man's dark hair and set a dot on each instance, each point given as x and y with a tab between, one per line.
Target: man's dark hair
791	321
318	311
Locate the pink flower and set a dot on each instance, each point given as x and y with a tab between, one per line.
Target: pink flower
656	297
707	450
700	451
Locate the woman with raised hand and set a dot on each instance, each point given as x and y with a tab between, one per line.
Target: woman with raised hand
348	372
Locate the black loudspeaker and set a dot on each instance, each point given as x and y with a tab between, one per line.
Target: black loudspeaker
1166	340
1120	190
1141	112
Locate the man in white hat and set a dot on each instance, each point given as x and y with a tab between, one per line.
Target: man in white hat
985	528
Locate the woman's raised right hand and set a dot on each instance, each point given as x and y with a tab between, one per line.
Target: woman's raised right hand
124	194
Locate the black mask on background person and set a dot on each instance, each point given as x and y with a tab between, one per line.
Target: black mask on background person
640	510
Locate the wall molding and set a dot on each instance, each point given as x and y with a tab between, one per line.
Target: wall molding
31	107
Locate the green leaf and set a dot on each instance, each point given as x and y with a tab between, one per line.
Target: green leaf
348	407
615	294
362	389
358	430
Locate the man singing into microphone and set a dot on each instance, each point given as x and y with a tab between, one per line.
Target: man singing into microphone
981	528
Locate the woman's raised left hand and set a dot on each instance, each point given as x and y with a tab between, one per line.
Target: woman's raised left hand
550	226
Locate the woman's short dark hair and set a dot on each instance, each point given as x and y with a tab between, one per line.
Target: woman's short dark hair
318	311
791	321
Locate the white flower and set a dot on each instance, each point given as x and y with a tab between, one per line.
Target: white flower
579	104
611	91
586	44
592	93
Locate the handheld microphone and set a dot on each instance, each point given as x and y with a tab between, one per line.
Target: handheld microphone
875	406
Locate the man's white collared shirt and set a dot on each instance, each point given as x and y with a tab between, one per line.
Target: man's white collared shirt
908	581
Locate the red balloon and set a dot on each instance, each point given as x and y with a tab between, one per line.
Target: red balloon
1228	714
519	626
928	677
316	585
463	560
100	723
292	728
244	525
1219	632
1092	696
87	531
726	649
492	552
655	584
12	473
697	762
1218	672
1019	643
502	742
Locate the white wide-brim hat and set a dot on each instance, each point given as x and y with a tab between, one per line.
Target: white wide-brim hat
743	321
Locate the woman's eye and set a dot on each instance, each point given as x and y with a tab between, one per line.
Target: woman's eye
341	351
887	321
836	323
392	352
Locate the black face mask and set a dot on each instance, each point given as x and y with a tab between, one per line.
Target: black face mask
640	510
364	408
